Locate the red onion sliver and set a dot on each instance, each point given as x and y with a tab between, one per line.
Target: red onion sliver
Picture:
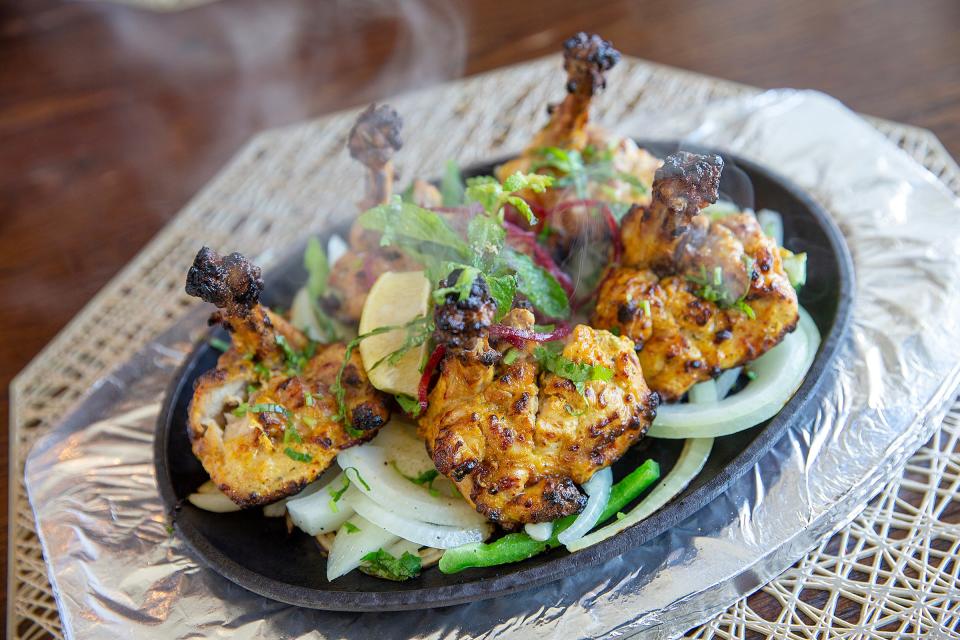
516	336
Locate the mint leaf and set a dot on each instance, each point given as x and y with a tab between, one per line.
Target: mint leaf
541	288
318	268
486	236
502	290
451	186
420	232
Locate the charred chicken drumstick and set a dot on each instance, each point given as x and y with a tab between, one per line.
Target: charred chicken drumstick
696	295
373	140
514	437
618	170
266	422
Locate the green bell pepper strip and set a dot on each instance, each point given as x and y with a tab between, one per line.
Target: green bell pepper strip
515	547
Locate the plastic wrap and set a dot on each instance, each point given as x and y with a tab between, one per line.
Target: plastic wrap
118	572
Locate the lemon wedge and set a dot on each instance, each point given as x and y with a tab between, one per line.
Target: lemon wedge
395	299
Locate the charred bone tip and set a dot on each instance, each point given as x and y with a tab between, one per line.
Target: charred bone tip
375	136
230	282
688	182
586	58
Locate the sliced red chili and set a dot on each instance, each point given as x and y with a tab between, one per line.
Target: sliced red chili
432	363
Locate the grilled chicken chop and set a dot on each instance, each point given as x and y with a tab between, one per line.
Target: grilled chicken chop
696	295
264	422
515	438
372	141
586	59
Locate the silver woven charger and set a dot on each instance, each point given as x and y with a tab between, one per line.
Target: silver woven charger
274	189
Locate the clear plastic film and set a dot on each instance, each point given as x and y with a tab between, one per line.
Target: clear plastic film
118	572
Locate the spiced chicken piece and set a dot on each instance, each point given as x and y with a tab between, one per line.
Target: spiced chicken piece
515	438
266	421
696	295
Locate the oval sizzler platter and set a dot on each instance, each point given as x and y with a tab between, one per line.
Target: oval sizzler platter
257	552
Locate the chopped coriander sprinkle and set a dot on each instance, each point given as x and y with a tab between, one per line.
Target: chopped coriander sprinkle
290	434
260	407
646	308
336	494
358	476
350	527
219	344
308	399
408	404
751	374
551	359
511	356
621	515
424	479
297	455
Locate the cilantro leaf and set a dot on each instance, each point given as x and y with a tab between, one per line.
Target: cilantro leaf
579	374
350	527
383	564
317	266
421	232
297	455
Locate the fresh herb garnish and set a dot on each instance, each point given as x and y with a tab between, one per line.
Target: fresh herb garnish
297	455
383	564
261	407
350	527
451	186
318	268
713	290
295	359
551	359
427	237
408	404
511	356
219	344
579	170
290	434
356	472
494	195
338	391
424	479
335	495
418	331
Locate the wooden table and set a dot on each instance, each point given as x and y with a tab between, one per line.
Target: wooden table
112	117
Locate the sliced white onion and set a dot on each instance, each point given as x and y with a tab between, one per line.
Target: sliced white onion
403	546
316	512
404	448
336	247
689	464
726	382
780	372
423	533
385	486
772	224
216	502
352	543
208	487
598	488
540	531
704	392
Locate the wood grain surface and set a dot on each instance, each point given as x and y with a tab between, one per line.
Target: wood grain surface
111	117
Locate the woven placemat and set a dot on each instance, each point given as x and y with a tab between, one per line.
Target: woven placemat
890	573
